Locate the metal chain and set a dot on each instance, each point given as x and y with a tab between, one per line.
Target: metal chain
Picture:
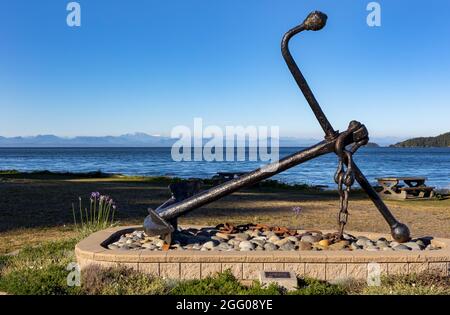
344	178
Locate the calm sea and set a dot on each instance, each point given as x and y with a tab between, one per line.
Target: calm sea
433	163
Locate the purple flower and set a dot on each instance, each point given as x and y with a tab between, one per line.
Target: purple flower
297	210
95	195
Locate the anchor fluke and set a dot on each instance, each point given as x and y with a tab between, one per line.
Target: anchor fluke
155	225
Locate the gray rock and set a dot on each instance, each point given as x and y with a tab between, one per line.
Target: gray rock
223	246
311	238
258	242
208	245
401	247
262	238
421	244
196	246
148	246
348	237
382	243
292	239
113	246
246	245
281	242
354	246
270	246
140	234
412	245
242	237
288	246
362	241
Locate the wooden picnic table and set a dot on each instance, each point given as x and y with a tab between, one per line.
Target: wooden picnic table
405	188
226	176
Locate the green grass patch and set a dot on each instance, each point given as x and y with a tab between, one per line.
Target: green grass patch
414	284
222	284
38	270
226	284
120	281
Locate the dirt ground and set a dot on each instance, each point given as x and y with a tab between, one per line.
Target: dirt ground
38	209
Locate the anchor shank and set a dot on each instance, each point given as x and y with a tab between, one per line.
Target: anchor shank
248	179
330	133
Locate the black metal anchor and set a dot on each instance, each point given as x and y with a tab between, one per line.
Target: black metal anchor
162	220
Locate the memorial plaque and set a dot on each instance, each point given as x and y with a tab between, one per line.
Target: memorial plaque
277	274
284	279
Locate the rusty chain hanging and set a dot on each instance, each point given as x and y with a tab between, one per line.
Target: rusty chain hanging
344	176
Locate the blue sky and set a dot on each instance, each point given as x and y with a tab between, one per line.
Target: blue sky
147	66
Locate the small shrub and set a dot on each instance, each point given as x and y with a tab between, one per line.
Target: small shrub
48	280
310	286
426	283
120	281
221	284
38	270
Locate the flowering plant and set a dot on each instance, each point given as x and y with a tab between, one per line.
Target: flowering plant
297	210
99	216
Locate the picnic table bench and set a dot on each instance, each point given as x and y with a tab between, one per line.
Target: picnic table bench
226	176
412	188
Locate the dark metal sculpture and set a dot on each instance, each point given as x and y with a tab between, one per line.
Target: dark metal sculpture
162	221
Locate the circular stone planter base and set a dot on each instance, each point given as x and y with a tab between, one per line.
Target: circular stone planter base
246	265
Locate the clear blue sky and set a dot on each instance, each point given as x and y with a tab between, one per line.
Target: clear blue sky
147	65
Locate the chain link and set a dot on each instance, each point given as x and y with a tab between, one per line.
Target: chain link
344	178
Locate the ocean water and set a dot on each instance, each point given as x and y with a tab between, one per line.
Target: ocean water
433	163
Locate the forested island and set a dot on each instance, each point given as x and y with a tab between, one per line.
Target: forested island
425	142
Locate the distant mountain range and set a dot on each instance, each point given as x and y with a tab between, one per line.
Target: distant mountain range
127	140
438	141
